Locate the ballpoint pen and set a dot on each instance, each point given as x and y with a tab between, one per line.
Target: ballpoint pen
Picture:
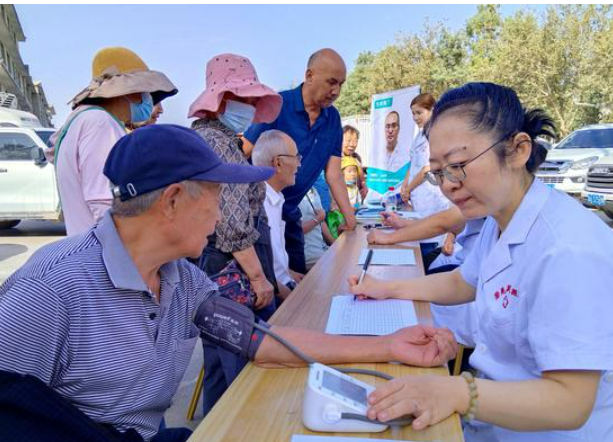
364	268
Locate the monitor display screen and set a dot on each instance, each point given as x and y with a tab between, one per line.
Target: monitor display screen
344	388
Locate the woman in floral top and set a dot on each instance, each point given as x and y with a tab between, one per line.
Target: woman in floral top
232	100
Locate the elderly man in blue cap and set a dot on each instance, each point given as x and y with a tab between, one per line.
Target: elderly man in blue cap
108	319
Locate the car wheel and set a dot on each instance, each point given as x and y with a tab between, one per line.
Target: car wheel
9	224
609	213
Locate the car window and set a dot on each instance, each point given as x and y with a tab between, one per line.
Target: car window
591	138
44	135
17	147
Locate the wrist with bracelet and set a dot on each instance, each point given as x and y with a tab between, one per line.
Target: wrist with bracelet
473	396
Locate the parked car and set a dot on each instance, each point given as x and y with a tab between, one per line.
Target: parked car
598	191
568	161
18	118
28	187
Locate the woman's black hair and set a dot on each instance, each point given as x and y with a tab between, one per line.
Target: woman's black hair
494	108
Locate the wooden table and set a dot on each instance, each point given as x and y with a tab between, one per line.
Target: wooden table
265	405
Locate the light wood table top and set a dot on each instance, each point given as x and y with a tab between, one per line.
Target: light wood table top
265	405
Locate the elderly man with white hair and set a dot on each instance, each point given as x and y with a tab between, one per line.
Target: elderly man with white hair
277	149
97	330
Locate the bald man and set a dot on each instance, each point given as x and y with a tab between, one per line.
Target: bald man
314	124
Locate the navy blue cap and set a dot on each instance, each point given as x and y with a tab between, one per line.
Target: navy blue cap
158	155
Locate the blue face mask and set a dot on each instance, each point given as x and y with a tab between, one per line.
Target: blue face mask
141	112
350	182
238	116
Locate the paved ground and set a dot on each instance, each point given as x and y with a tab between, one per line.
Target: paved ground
16	246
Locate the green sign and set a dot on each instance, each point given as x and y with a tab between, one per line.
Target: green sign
380	180
384	102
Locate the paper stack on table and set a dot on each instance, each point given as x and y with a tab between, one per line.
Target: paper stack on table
369	317
308	438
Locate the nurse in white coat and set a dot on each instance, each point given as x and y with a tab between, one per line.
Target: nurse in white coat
540	273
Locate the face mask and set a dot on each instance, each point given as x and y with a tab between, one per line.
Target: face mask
141	112
350	182
237	116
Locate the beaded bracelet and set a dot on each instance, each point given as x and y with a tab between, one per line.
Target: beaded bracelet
474	395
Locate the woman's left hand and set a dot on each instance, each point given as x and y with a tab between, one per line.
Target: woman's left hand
404	191
430	399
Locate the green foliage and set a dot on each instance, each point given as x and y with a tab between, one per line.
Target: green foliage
561	61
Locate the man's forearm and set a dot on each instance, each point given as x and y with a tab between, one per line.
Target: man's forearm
336	182
250	263
417	230
308	225
339	193
324	348
326	234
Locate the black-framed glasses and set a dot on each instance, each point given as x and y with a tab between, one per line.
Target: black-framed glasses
455	172
297	157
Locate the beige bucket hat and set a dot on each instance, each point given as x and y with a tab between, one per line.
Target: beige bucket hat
118	71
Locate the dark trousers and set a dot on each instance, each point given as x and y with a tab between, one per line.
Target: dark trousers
172	435
221	367
294	240
30	411
429	252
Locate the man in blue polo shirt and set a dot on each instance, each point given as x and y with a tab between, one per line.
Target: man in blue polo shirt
108	319
314	124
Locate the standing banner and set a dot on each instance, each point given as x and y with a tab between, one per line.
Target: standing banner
393	131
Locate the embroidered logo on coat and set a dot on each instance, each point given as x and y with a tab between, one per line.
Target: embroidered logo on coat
504	293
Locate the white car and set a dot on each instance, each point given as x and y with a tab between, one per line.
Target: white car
28	187
598	191
568	162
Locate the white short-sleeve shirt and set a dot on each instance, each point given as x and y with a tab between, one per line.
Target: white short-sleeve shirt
426	198
544	302
273	204
314	244
460	319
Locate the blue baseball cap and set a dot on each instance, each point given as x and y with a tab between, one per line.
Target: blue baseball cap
158	155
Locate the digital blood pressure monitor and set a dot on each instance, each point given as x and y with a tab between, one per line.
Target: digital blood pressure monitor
330	396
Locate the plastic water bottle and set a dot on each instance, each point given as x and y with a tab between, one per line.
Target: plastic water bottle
390	200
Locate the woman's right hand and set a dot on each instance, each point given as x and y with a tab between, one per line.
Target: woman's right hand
369	288
392	219
378	237
264	291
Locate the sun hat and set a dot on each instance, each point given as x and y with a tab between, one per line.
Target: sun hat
118	71
235	73
153	157
347	161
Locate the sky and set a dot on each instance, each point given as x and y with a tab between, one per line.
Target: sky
61	41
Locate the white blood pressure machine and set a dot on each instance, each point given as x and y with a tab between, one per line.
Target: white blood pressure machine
334	401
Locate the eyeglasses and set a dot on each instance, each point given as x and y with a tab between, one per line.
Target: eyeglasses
297	157
455	173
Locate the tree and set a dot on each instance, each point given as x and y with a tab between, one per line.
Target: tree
561	61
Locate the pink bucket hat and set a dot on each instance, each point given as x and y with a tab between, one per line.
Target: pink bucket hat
236	74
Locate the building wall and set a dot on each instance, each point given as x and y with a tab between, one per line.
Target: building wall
14	74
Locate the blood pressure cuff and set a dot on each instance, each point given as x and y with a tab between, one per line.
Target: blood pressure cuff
229	324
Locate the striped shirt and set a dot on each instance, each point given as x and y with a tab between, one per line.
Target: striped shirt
79	317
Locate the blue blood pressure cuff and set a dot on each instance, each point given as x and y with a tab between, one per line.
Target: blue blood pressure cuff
229	324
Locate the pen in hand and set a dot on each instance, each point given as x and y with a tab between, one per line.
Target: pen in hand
364	268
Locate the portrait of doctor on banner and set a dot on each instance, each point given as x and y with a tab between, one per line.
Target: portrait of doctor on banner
393	132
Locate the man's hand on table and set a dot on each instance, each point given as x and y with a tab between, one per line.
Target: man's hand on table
422	346
349	224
